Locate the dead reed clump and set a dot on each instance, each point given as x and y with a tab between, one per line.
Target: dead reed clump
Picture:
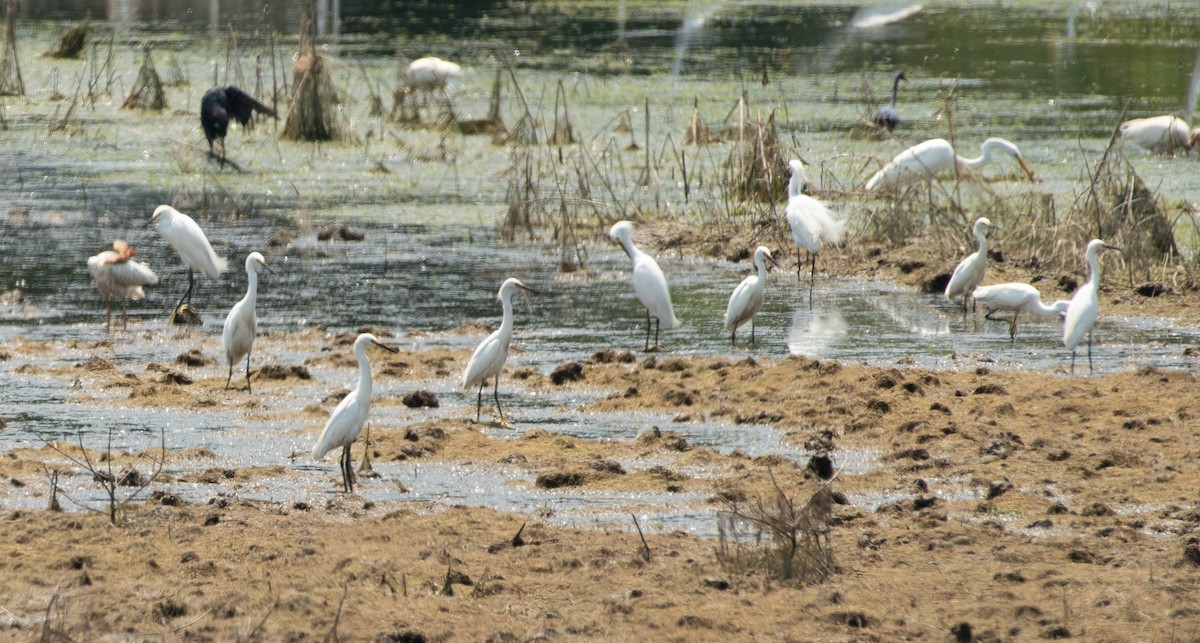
147	93
72	44
698	132
493	123
755	163
312	112
11	83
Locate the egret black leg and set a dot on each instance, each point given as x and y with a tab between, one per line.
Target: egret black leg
648	330
248	372
753	342
347	473
479	403
657	323
1072	361
229	377
107	314
1012	328
496	394
733	338
812	279
1090	369
191	285
124	315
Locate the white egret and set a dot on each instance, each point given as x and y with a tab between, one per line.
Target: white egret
346	422
886	116
241	325
1085	304
116	275
1019	298
192	245
489	356
747	298
430	75
812	224
1162	134
969	272
924	161
649	283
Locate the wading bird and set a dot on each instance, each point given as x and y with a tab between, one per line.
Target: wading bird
812	224
649	283
1019	298
924	161
192	245
241	325
1085	304
430	75
1163	134
747	298
886	116
348	418
117	275
969	272
489	356
218	105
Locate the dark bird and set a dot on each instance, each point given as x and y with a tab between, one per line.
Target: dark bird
886	116
218	105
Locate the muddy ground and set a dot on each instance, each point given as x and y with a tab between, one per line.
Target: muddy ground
1001	506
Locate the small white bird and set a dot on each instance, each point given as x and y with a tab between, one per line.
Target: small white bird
1163	134
969	272
924	161
116	275
747	298
241	325
886	116
348	418
1085	304
192	245
489	356
1018	298
813	225
649	283
430	75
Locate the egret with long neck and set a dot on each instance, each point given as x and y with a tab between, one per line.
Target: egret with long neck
812	224
241	325
649	282
969	272
747	298
926	160
489	357
1019	298
1085	304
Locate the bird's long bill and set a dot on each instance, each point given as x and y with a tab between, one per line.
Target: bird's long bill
524	287
1028	172
1108	247
386	347
771	261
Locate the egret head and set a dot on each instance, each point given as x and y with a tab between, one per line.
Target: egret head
984	225
510	285
163	212
762	256
255	262
1096	245
366	339
1009	148
799	177
123	250
622	233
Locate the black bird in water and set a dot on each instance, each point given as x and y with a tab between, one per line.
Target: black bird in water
886	116
218	105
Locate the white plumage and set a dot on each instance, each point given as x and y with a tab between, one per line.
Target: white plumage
1018	298
649	282
241	325
1162	134
925	160
182	232
1085	304
490	355
812	224
747	298
116	275
969	272
430	75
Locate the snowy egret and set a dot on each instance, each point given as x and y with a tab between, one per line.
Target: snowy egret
811	222
430	75
116	275
218	105
1085	304
969	272
649	283
1160	133
747	298
346	422
489	356
242	324
192	245
1019	298
886	116
924	161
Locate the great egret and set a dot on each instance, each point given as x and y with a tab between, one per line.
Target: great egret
489	356
969	272
430	75
1019	298
348	418
1085	304
192	245
886	116
1162	134
116	275
241	325
924	161
218	105
649	283
747	298
812	224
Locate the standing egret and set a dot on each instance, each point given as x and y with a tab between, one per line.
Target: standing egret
924	161
192	245
747	298
649	283
346	422
218	104
430	75
886	116
969	272
1018	298
811	222
116	275
1085	304
489	356
1162	134
241	325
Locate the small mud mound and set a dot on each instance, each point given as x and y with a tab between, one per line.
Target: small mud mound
421	400
566	372
194	358
340	232
283	372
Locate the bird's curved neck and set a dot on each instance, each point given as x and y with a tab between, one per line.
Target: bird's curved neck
506	322
795	186
982	239
1094	269
895	90
364	373
984	157
627	245
760	266
251	285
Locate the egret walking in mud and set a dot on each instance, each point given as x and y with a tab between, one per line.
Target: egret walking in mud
429	75
218	105
192	245
747	298
969	272
241	325
886	116
1162	134
649	282
813	225
1085	304
117	275
924	161
348	418
1018	298
490	355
